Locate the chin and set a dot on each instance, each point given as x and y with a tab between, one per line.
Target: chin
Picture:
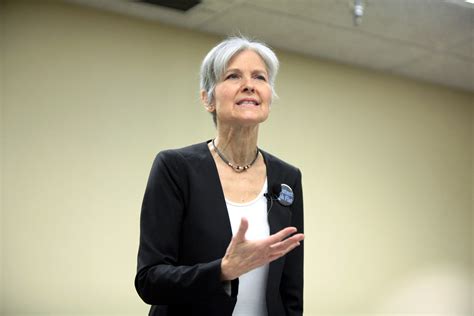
251	121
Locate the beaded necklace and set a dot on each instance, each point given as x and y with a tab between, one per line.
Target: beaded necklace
235	167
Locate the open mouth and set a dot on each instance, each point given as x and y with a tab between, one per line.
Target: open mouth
250	102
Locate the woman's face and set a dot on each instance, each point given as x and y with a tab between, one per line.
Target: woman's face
243	95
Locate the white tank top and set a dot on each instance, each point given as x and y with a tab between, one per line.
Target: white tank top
251	299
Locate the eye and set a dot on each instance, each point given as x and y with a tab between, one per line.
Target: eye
261	77
232	76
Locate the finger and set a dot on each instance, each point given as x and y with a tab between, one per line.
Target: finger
282	234
281	245
294	238
281	253
244	225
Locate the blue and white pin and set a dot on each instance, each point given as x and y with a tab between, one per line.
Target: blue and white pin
286	196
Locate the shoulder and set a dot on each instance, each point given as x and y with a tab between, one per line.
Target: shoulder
274	162
193	161
191	153
178	165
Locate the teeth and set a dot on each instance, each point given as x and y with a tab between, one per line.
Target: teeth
248	102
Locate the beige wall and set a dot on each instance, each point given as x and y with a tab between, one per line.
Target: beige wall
2	20
90	97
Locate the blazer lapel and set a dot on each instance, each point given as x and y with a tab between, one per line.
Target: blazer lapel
279	217
221	220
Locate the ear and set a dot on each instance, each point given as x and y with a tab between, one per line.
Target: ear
205	101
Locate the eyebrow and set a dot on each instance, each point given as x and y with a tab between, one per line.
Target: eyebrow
255	71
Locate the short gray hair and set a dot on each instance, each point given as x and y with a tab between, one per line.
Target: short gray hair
215	63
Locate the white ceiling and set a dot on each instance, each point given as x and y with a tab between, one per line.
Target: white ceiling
430	40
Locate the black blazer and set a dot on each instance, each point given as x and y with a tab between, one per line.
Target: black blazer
185	231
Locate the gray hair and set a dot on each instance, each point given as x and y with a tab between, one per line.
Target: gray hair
215	63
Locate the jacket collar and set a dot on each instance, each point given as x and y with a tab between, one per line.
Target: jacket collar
278	215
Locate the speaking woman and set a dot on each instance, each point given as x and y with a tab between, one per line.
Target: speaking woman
222	221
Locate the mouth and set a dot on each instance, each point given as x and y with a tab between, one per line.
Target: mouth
248	102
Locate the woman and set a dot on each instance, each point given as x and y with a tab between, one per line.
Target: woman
214	240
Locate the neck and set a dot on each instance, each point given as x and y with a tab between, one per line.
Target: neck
238	144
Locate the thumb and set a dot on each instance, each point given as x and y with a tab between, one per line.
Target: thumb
244	225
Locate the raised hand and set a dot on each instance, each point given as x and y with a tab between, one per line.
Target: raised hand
244	255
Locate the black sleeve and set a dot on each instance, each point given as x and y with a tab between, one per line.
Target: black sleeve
160	280
291	286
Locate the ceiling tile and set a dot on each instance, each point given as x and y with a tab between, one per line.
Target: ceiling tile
394	36
257	23
464	48
333	12
359	48
428	23
442	69
349	45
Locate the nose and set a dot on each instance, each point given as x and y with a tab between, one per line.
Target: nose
248	86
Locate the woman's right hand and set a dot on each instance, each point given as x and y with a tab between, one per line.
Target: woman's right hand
244	255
